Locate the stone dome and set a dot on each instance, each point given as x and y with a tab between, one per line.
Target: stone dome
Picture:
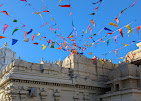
124	70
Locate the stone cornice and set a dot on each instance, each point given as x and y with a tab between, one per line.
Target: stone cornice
54	84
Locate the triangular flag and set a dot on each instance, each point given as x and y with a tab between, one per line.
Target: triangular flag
64	5
43	46
107	29
102	40
38	34
111	23
115	39
15	31
25	34
15	20
117	20
27	39
29	31
115	52
5	27
14	41
36	43
93	22
59	48
120	30
129	28
86	31
108	41
5	12
138	28
33	36
110	33
90	29
128	32
2	37
125	44
23	0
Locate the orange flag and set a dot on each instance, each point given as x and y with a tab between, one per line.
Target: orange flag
117	20
25	34
120	30
138	28
2	37
59	48
115	52
90	29
93	22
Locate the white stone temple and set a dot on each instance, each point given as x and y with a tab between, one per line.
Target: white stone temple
77	78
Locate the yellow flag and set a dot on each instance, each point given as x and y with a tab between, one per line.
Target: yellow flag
129	28
121	57
83	31
38	34
60	0
86	31
125	44
102	61
52	19
128	32
111	23
43	46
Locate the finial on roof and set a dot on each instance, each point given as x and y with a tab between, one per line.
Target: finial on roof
5	44
42	62
19	57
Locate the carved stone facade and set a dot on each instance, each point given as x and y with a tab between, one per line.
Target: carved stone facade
77	78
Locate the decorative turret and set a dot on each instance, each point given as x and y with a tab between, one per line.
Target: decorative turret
6	56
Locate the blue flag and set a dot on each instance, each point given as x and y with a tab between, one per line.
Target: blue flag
107	29
30	31
14	41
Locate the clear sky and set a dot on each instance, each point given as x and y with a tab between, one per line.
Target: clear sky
108	10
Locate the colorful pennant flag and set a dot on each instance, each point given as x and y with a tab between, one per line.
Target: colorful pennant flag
27	39
36	43
129	28
25	34
125	44
15	20
14	41
2	37
111	23
64	5
90	29
33	36
115	52
115	38
102	40
110	33
117	20
15	31
107	29
93	22
108	41
43	46
29	31
120	30
5	27
59	48
90	53
23	0
5	12
92	14
138	28
38	34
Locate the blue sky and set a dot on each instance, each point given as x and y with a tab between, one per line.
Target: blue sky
108	10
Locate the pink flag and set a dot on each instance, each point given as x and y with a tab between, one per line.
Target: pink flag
5	27
117	20
23	0
115	38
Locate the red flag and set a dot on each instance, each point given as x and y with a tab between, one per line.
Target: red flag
43	25
1	5
2	37
102	40
129	57
138	28
49	41
90	29
36	43
117	20
110	33
33	36
120	30
93	22
64	5
45	11
5	12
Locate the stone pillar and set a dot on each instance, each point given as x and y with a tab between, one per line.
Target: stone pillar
43	96
86	97
76	96
57	95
